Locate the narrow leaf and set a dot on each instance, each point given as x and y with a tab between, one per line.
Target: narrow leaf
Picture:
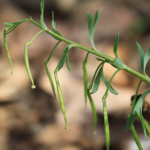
54	28
116	45
92	82
111	89
90	27
146	58
42	23
130	121
67	62
108	86
97	81
10	29
7	52
13	25
141	52
96	19
61	62
65	58
8	23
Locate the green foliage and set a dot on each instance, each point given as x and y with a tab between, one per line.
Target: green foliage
97	80
144	58
92	25
97	76
42	23
53	27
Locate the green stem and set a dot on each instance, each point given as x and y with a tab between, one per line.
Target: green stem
102	55
135	136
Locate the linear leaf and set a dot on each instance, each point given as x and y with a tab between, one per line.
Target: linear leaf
7	52
61	62
65	58
13	25
130	121
54	28
116	45
146	58
96	18
67	62
97	81
90	27
141	52
111	89
42	23
91	84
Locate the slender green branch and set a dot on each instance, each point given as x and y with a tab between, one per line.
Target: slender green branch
102	55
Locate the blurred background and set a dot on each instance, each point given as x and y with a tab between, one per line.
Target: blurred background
32	119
